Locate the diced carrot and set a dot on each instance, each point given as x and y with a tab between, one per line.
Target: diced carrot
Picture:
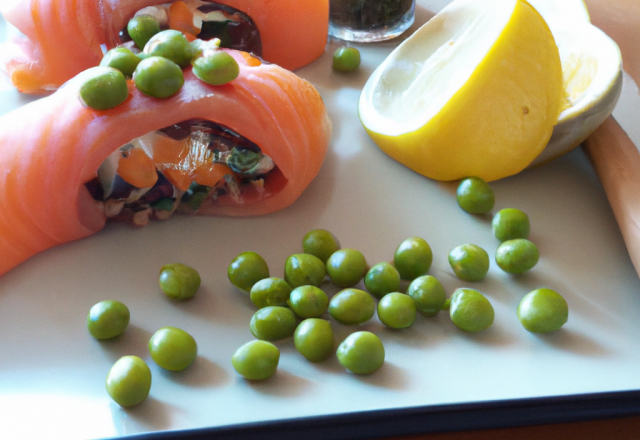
211	173
137	169
169	151
181	18
189	37
179	178
251	60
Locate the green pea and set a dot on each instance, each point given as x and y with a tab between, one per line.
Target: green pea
179	281
108	319
510	223
122	59
361	353
270	291
543	311
397	310
173	349
320	243
158	77
129	381
346	59
256	360
170	44
428	294
413	258
470	310
246	269
352	306
141	28
469	262
475	196
303	270
381	279
313	339
517	256
217	69
346	267
308	301
104	88
273	323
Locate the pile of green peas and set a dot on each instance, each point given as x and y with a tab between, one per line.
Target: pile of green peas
129	379
156	69
540	311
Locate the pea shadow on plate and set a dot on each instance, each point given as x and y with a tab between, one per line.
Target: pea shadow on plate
388	376
426	332
281	384
134	341
571	341
494	336
203	373
150	415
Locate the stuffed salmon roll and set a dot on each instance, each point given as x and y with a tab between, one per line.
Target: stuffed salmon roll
248	147
61	38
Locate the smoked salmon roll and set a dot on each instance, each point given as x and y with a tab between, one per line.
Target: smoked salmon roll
248	147
61	38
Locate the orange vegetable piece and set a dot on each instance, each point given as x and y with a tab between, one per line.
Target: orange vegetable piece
211	173
251	60
179	178
181	18
137	169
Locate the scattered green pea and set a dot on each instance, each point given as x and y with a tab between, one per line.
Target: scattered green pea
361	353
413	258
273	323
313	339
321	243
543	311
179	281
469	262
381	279
108	319
470	310
129	381
475	196
517	256
169	44
397	310
256	360
346	59
346	267
510	223
303	270
158	77
270	291
352	306
104	88
246	269
172	348
141	28
122	59
308	301
217	69
428	294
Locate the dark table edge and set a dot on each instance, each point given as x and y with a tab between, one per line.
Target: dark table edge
424	419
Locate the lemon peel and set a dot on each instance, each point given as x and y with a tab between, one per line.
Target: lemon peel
592	74
475	91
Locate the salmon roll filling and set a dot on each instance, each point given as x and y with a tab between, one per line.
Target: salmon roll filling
204	20
182	168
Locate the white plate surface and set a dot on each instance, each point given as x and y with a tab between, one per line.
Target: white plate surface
52	372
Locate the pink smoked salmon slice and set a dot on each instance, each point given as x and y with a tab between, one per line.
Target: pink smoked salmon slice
50	148
64	37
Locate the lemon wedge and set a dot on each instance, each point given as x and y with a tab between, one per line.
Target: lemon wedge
592	74
475	91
